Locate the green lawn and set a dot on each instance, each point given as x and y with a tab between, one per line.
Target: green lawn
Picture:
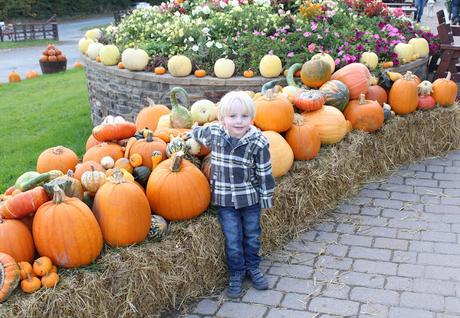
100	26
40	113
26	43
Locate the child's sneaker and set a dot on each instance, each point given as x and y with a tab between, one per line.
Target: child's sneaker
235	285
259	281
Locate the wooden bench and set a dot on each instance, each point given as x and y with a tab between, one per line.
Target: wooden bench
441	17
449	52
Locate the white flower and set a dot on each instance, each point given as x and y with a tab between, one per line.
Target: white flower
205	30
206	10
218	45
195	48
177	14
209	43
222	4
262	2
234	3
190	39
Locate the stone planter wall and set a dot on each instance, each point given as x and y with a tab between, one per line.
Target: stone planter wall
113	91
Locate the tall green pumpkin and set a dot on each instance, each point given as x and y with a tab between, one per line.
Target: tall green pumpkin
336	94
315	73
180	115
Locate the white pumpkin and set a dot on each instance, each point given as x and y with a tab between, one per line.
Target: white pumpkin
109	54
135	59
83	44
203	111
326	58
93	34
179	65
290	92
270	66
164	122
405	52
370	59
224	68
93	50
420	46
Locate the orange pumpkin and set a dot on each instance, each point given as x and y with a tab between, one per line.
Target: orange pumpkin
159	70
67	232
87	166
304	139
309	100
281	154
377	93
31	74
148	116
200	73
25	269
365	115
16	240
121	65
355	76
23	203
114	131
9	276
14	77
42	266
273	112
403	97
122	211
30	284
166	133
57	158
146	146
315	73
445	91
78	64
248	73
91	141
177	189
96	153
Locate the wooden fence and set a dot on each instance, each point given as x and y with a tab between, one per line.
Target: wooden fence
30	31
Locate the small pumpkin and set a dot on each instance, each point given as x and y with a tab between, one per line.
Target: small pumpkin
403	97
159	70
324	57
426	102
50	280
365	115
14	77
31	284
109	55
42	266
148	117
159	228
377	93
9	276
124	163
309	100
31	74
203	111
370	59
24	269
135	160
121	65
141	175
425	88
93	180
71	186
303	138
107	162
86	166
445	91
248	73
200	73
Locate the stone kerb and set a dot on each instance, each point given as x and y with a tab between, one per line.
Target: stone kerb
117	92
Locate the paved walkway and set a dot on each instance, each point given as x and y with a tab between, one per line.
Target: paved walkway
393	251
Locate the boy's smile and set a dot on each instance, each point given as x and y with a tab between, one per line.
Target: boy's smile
237	121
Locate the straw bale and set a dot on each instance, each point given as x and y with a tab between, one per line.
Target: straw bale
156	277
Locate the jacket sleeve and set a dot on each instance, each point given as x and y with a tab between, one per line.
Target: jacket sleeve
265	177
203	135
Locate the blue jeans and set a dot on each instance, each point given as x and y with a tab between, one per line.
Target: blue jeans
241	228
419	4
455	13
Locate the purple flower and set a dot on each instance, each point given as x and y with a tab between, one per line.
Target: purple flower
290	54
311	47
307	34
314	26
360	47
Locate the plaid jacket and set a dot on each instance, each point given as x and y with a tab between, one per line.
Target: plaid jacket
241	176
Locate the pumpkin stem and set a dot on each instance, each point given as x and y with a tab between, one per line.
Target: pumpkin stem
175	166
59	195
149	136
362	99
117	176
448	76
270	94
156	158
409	76
183	92
58	150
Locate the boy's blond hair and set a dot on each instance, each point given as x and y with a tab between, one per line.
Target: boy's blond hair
231	98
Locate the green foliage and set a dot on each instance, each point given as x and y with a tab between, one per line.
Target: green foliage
41	113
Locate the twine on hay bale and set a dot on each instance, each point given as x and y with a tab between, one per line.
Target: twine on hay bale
152	277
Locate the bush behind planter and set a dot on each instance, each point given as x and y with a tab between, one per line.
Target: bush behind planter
152	277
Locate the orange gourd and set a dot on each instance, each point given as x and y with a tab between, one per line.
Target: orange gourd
309	100
114	131
97	152
23	203
403	97
78	64
57	158
30	284
200	73
67	232
16	240
148	117
42	266
31	74
146	146
248	73
177	189
273	112
304	139
159	70
445	91
14	77
25	269
355	76
9	276
87	166
50	280
122	211
365	115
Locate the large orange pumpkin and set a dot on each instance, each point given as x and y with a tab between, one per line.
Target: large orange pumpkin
114	131
97	152
145	147
122	211
281	154
445	91
273	112
377	93
355	76
403	97
57	158
16	240
177	189
303	139
91	141
148	116
67	232
315	73
9	276
365	115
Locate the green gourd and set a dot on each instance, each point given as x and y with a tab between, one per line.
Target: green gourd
30	180
180	116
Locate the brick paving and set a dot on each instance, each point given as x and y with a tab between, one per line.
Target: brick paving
392	251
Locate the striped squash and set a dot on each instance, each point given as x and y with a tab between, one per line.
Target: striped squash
336	94
315	73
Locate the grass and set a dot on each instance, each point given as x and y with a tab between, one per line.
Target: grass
26	43
100	26
39	113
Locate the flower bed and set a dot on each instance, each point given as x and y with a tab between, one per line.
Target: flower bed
149	278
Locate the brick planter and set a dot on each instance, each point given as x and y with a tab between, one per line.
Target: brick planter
113	91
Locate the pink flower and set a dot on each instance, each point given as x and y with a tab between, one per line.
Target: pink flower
306	34
311	47
314	26
337	61
290	54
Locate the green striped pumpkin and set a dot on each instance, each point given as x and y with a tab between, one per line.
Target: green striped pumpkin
315	73
336	94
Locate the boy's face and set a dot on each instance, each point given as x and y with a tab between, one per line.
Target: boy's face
237	121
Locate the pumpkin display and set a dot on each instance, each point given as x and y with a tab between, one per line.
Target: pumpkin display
445	91
31	74
303	138
270	66
370	59
377	93
57	158
71	186
178	190
109	54
180	116
114	129
158	229
330	122
336	94
224	68
179	66
87	166
50	280
308	100
14	77
9	276
273	112
135	59
355	76
403	96
16	240
122	211
203	111
83	44
146	146
42	265
315	73
405	52
326	58
281	154
30	284
148	116
66	231
97	152
93	180
23	203
365	115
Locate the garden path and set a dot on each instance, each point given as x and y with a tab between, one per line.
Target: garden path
24	59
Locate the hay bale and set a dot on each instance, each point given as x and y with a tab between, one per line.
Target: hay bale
153	277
